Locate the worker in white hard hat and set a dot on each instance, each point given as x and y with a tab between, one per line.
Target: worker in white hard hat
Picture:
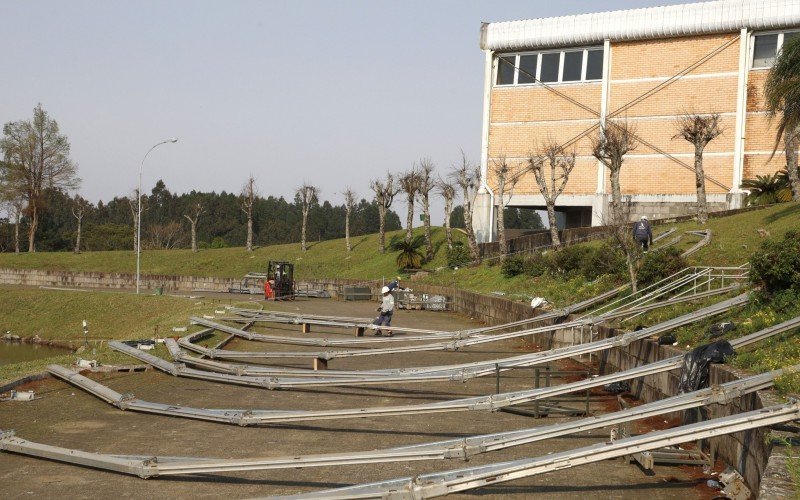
643	233
386	310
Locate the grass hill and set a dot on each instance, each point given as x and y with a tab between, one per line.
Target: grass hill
323	259
734	239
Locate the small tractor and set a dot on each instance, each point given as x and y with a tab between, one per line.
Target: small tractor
280	281
276	284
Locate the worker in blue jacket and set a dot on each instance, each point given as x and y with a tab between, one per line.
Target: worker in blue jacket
643	233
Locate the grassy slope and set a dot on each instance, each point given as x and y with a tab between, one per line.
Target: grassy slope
734	239
323	259
57	315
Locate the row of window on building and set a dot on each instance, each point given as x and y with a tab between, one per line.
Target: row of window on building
586	65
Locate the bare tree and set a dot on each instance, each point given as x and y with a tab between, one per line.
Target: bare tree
349	206
165	236
196	210
506	180
448	192
308	195
79	209
426	184
610	146
468	176
133	202
552	183
409	183
247	199
36	158
384	196
699	130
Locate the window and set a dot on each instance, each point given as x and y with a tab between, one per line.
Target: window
563	66
505	70
527	69
766	47
594	65
550	64
764	50
573	67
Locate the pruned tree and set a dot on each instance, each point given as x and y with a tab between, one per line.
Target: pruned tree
448	192
610	146
385	191
506	180
349	206
468	177
409	184
79	208
699	130
552	178
195	211
426	184
36	157
308	195
247	199
782	93
133	202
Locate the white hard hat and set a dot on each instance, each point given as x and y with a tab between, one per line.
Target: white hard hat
385	289
644	217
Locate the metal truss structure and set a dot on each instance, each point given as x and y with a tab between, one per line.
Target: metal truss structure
493	402
275	378
444	483
464	448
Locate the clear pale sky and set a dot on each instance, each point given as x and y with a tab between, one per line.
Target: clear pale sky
329	92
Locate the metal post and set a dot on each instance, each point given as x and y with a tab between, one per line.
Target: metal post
497	378
139	211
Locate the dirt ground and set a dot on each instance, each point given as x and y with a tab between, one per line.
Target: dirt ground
69	417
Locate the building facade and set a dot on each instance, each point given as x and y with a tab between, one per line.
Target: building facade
555	80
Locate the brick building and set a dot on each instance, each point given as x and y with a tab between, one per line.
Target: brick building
559	78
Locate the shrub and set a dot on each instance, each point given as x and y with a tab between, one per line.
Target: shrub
514	265
537	264
602	260
218	242
458	256
775	267
656	266
570	260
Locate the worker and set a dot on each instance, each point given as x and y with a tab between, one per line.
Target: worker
643	233
386	310
395	285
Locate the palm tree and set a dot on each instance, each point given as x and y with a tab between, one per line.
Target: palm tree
782	93
766	189
409	257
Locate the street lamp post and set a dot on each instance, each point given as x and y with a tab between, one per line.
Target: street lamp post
139	212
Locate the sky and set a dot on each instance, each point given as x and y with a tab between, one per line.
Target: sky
333	93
